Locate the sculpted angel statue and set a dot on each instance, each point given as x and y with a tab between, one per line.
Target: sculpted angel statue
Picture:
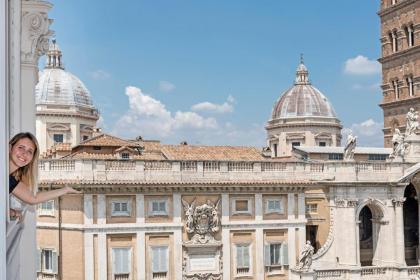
305	258
399	146
350	147
189	215
412	123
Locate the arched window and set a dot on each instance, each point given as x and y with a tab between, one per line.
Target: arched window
393	39
393	2
396	88
410	85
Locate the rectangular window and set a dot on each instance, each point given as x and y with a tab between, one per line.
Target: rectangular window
241	206
158	207
48	260
242	259
275	256
322	144
335	156
377	157
121	263
160	260
46	208
125	155
311	208
274	205
120	208
58	138
275	150
85	137
295	144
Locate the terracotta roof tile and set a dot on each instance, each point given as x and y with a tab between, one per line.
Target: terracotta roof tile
108	140
222	153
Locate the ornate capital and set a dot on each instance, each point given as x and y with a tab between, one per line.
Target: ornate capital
35	30
398	202
352	202
341	202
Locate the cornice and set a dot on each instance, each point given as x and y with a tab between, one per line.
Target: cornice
66	114
395	7
400	54
398	103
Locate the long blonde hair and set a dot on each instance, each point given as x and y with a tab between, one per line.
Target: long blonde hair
27	174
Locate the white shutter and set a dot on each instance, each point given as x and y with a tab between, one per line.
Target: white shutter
125	260
155	259
246	255
116	262
164	258
267	257
54	262
284	254
38	260
239	257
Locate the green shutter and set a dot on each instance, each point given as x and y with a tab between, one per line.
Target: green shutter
54	262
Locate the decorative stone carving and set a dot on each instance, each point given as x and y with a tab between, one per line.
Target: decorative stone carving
201	221
412	123
398	144
352	202
350	147
339	202
202	253
305	258
398	202
35	30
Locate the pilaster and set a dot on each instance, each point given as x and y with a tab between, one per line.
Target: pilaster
102	259
178	260
101	209
89	256
258	207
177	207
88	209
141	255
226	254
140	208
259	253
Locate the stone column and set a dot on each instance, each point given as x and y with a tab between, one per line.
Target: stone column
352	239
102	256
88	237
258	207
291	206
29	40
177	237
291	240
89	256
101	209
399	232
141	255
259	253
178	260
226	237
140	208
301	207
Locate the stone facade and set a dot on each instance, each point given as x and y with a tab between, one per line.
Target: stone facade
400	42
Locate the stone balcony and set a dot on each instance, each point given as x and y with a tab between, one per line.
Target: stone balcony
213	172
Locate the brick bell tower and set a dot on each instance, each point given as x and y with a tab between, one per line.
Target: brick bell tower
400	59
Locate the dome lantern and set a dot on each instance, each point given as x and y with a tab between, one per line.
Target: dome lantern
54	56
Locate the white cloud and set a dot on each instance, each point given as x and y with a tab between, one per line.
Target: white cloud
369	133
165	86
226	107
150	118
361	65
367	87
100	75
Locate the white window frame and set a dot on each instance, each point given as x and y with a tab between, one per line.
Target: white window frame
238	212
158	213
120	213
125	155
309	208
52	270
250	268
274	211
129	262
275	269
58	135
42	211
152	248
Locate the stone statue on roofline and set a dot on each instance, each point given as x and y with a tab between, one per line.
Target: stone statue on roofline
305	258
412	122
399	145
350	147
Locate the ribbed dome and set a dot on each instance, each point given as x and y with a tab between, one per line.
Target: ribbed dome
302	100
59	87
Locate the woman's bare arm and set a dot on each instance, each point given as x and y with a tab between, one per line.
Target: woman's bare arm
23	193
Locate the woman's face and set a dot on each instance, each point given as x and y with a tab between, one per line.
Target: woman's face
22	153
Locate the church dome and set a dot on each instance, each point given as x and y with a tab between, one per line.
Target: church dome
302	99
59	87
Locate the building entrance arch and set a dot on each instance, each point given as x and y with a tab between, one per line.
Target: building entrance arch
411	225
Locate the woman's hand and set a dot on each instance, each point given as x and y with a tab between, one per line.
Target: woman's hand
70	190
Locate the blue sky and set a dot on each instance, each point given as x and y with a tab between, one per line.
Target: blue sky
209	72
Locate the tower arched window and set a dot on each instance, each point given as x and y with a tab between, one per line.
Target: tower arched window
410	85
393	2
396	88
409	33
394	40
